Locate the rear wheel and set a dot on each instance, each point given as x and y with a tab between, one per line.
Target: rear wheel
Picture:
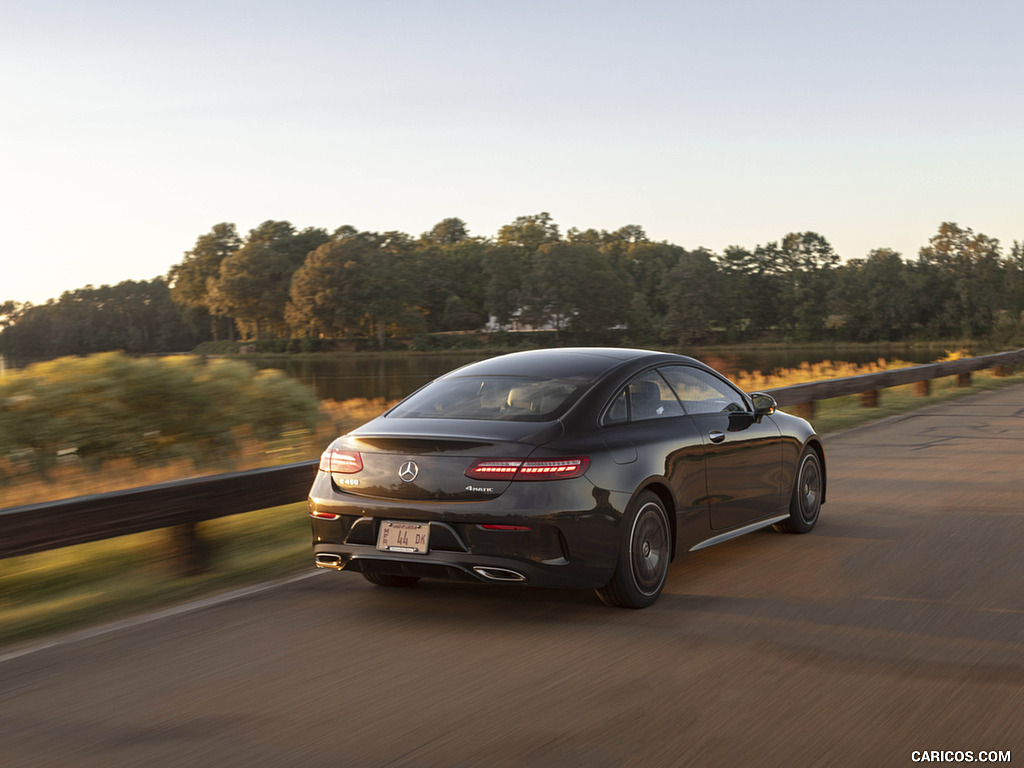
644	555
805	503
387	580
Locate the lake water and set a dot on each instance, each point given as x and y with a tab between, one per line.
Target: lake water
395	376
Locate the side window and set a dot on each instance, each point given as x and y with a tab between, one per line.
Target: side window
619	411
648	396
700	392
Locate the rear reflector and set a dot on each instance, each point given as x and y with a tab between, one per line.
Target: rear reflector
506	527
345	462
533	469
324	515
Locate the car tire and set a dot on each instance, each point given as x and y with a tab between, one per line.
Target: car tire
805	503
387	580
644	555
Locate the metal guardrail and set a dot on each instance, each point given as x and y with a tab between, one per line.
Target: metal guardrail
182	504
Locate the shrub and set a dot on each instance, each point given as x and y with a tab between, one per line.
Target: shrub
111	406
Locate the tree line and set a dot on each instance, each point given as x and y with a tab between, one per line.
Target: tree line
593	286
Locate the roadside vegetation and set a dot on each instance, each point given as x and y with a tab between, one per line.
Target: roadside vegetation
81	425
104	580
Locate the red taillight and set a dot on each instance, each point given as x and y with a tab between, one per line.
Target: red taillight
490	469
533	469
549	469
345	462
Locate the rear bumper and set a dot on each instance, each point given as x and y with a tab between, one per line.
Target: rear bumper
444	565
573	542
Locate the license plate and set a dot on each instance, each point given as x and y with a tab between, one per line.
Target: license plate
403	537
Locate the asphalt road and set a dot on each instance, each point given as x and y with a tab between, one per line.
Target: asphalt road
897	626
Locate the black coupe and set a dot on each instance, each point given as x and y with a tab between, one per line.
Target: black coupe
585	467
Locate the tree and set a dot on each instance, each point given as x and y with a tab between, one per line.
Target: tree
360	280
572	286
742	291
643	267
252	287
548	291
389	290
690	289
1015	283
807	261
253	283
134	316
874	298
529	232
190	279
616	242
971	269
601	303
755	287
446	232
323	294
450	288
9	311
505	268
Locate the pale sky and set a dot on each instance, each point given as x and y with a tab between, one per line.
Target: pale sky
129	128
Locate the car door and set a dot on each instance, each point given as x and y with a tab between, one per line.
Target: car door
742	453
647	431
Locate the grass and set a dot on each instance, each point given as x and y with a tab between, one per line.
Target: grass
106	580
91	583
843	413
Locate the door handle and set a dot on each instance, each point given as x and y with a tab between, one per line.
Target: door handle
716	436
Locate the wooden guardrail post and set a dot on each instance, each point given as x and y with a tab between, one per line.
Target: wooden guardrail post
923	388
804	410
189	554
963	379
869	399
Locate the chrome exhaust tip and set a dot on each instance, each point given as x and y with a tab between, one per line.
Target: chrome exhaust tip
497	574
327	560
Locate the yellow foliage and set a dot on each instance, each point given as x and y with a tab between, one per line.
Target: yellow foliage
347	414
783	377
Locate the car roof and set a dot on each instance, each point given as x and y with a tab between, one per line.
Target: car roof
568	362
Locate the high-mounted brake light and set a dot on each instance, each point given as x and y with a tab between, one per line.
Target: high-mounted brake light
533	469
345	462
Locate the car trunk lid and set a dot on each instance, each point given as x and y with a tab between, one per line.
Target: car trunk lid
415	461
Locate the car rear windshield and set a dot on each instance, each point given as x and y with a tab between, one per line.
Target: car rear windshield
492	398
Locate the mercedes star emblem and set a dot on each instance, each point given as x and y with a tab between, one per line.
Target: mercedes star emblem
408	471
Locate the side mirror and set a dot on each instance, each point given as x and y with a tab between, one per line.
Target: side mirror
764	405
